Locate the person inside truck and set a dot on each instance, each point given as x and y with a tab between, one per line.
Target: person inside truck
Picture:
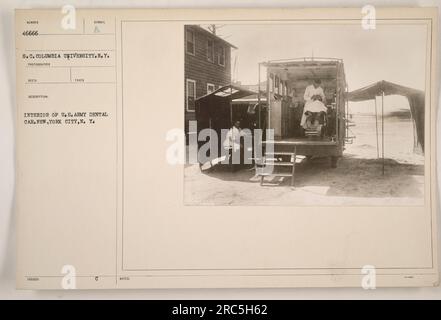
314	105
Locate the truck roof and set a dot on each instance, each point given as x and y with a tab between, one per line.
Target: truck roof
305	68
305	61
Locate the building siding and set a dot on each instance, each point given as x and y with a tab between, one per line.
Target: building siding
203	71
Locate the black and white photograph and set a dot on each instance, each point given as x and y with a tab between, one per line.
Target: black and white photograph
305	113
232	152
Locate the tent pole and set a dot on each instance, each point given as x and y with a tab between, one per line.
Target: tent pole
382	128
376	127
231	108
259	125
347	120
258	98
268	99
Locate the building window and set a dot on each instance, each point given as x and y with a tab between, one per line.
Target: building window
210	88
191	95
190	42
210	50
221	56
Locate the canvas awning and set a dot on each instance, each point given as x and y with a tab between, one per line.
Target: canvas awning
384	88
230	92
376	89
414	96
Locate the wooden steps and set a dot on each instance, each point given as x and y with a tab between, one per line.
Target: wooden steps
277	159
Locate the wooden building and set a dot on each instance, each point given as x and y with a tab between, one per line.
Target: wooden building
207	66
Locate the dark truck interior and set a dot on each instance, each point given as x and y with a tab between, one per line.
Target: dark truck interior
286	86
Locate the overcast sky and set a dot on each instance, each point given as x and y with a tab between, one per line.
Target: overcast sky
391	52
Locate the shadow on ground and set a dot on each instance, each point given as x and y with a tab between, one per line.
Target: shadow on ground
353	177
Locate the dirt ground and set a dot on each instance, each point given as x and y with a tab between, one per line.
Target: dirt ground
357	180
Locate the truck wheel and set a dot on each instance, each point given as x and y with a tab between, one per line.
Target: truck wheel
334	161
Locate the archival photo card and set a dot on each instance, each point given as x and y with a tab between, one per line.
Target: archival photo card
226	148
